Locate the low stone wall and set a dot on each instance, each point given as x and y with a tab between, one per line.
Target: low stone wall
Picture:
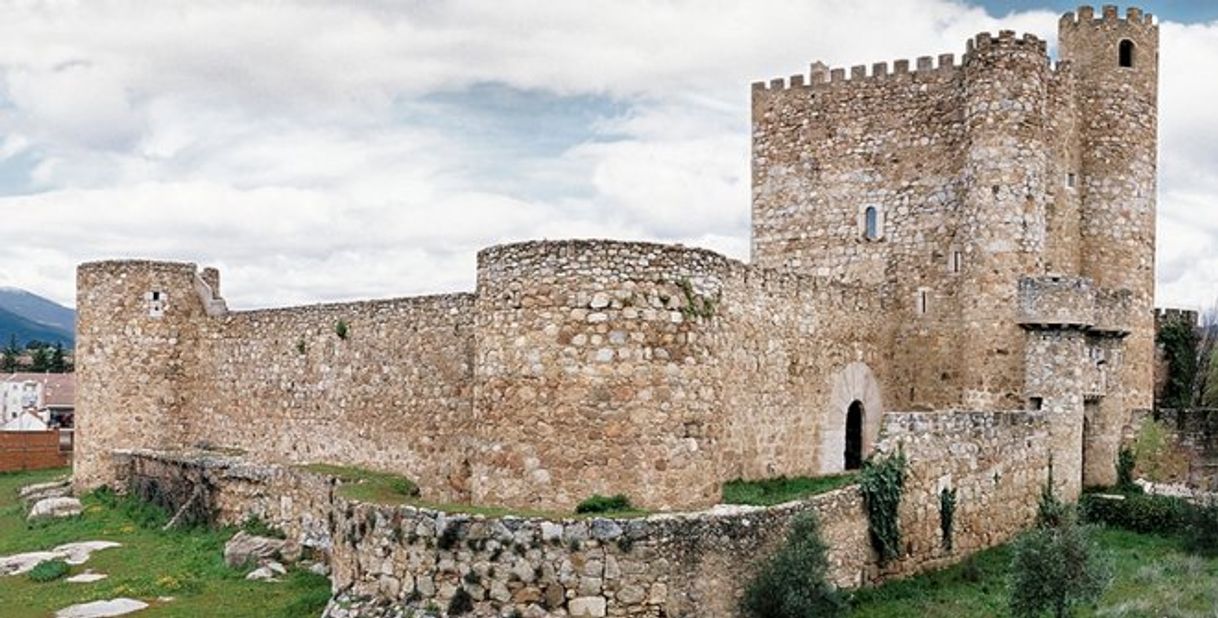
672	564
1192	437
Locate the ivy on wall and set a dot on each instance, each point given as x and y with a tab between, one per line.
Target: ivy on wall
947	514
1179	341
882	482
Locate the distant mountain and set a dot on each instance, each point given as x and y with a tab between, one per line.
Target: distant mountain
34	307
29	316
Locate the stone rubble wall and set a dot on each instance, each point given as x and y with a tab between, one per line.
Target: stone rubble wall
674	565
1193	438
396	394
651	370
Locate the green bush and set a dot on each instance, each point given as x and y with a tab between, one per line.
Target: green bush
1126	461
1050	512
604	504
882	483
771	491
947	513
48	570
1202	534
1055	569
1137	512
794	582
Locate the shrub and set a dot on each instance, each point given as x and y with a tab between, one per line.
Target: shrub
1055	569
1202	534
1050	512
881	483
1137	512
48	570
793	583
947	513
1124	468
342	329
604	504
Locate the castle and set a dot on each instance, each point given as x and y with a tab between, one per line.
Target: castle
972	236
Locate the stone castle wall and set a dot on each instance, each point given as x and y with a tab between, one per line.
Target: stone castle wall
395	394
681	564
577	368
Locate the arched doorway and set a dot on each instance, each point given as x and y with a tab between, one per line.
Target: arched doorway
854	435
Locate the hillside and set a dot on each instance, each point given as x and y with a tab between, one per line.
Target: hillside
29	316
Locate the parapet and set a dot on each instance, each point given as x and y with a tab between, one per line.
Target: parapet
821	77
1109	14
1006	40
1164	315
1055	302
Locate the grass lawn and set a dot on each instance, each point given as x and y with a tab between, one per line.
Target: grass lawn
186	565
1153	577
768	492
374	487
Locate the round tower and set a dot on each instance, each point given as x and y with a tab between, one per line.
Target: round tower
1115	58
1002	227
134	322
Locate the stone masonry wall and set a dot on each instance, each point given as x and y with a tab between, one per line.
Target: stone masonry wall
676	564
395	394
655	371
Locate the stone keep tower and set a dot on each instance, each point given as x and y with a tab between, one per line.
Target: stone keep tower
1115	62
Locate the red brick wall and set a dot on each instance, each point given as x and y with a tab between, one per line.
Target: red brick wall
31	450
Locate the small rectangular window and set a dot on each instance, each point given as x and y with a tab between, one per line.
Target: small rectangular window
1071	180
957	261
922	301
1035	403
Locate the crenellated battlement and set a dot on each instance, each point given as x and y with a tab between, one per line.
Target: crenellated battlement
1109	14
820	76
1005	40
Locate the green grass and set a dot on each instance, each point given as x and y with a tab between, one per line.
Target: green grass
768	492
369	485
1153	576
387	488
187	565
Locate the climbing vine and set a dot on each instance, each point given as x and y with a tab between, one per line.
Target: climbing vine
696	305
882	483
947	513
1179	340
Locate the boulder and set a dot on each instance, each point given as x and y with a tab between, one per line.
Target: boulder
261	574
102	609
31	494
245	548
51	508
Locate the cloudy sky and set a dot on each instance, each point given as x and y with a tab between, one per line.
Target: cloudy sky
319	151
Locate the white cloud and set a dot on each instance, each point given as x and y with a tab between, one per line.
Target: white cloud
290	144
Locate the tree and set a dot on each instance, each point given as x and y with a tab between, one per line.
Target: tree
1207	370
12	352
794	583
59	363
1057	565
1180	345
41	360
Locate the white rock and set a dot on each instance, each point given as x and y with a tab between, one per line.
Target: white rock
261	574
72	553
587	607
87	577
276	568
102	609
54	507
245	548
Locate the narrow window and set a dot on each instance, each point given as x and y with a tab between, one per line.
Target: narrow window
1071	180
1126	53
957	261
871	223
854	436
923	293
